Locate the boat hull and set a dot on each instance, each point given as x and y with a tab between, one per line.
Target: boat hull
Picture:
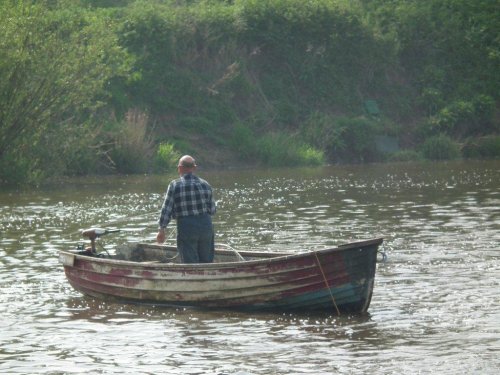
339	279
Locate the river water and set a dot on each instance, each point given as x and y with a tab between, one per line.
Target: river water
436	302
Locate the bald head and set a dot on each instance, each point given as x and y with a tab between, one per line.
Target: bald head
186	164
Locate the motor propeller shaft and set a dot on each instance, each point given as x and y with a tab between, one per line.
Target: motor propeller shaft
94	233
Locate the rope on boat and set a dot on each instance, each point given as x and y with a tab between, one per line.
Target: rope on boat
170	234
174	230
326	283
232	249
384	255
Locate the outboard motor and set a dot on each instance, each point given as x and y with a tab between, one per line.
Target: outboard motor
93	233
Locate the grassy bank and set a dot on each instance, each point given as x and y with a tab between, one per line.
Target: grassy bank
127	86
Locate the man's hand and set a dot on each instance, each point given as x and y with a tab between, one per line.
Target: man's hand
160	237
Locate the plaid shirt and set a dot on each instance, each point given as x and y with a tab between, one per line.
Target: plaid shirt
187	196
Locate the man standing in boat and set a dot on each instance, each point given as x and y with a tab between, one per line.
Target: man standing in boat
190	201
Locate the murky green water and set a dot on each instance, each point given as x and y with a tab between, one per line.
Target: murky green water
435	309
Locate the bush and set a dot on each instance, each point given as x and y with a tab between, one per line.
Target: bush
310	155
345	139
464	117
16	170
440	147
132	149
357	140
279	149
243	141
56	62
320	131
166	157
485	147
406	155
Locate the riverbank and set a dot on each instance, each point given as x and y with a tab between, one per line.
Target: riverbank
275	83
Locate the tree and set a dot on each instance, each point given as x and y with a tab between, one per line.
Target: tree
56	60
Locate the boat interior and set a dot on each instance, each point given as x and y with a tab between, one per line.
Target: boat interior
143	252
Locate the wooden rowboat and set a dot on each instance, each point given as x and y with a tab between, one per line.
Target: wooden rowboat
338	279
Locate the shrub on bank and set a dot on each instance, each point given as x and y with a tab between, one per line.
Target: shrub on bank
243	141
15	169
321	130
57	61
166	157
279	149
484	147
199	67
463	118
406	155
440	147
131	144
346	139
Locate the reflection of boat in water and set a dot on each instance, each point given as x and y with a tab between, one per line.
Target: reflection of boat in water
339	279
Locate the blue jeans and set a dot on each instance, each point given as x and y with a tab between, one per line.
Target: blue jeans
195	239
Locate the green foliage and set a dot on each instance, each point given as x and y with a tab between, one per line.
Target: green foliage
132	147
227	72
440	147
184	146
482	148
273	149
279	149
347	139
357	140
166	157
405	156
243	142
276	56
450	48
179	51
321	130
305	46
55	62
15	169
106	3
309	155
464	117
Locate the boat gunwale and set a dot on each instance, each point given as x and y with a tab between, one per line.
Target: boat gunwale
269	257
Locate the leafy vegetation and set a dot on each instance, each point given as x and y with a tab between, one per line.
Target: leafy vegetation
440	147
166	157
281	150
126	86
55	63
483	148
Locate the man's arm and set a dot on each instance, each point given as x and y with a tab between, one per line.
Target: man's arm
213	207
167	210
